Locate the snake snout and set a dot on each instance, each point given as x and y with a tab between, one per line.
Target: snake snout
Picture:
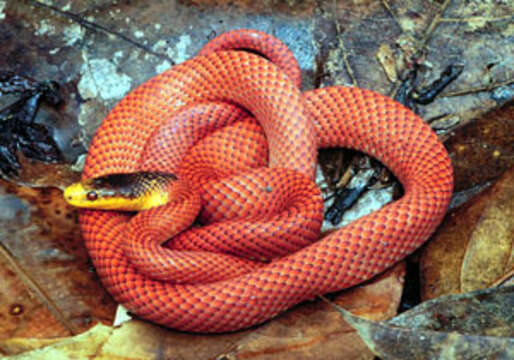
71	192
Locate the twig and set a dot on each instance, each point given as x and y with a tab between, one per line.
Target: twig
478	19
386	5
477	90
97	27
346	63
435	22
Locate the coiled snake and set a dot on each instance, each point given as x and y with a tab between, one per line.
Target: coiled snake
260	252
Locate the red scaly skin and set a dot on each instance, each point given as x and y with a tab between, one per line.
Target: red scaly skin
295	125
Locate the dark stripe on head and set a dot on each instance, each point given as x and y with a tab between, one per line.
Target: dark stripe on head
131	185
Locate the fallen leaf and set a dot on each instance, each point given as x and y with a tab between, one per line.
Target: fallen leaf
84	346
22	312
476	325
385	56
483	149
473	248
37	174
42	246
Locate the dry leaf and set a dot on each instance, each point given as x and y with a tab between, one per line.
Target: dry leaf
385	56
84	346
473	247
43	254
477	325
22	314
483	149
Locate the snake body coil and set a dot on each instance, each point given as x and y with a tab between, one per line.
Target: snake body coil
281	262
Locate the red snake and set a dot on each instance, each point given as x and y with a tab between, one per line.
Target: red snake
201	281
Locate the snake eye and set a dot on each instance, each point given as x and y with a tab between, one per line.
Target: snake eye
92	195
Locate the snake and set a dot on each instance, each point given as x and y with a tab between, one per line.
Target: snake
223	149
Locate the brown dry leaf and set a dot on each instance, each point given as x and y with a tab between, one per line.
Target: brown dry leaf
473	248
311	330
36	174
84	346
45	262
22	313
483	149
477	325
386	58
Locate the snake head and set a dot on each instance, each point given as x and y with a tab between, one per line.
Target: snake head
126	192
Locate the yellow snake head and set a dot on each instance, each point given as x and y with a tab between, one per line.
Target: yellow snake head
127	192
